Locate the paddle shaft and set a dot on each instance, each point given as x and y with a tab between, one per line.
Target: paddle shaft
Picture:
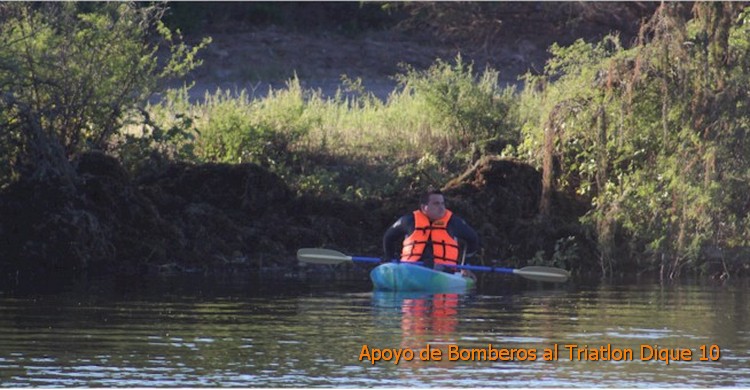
332	257
483	268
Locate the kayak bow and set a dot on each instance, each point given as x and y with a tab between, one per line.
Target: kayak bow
410	277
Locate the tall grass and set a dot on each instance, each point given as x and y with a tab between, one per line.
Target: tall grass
432	126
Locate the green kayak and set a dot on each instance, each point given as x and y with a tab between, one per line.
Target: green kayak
410	277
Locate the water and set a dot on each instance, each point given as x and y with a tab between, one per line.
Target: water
200	333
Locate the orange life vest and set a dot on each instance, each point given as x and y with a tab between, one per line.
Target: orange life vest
444	247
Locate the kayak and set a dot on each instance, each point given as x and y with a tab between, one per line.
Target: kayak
410	277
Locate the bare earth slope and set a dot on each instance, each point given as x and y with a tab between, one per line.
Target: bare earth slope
254	60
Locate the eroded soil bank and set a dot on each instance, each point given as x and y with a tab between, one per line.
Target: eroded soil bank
215	217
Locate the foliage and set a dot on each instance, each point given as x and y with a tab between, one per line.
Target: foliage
72	75
564	254
472	109
431	128
170	136
236	129
653	136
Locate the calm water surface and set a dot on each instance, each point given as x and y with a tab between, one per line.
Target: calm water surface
196	333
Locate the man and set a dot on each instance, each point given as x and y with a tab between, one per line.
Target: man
430	235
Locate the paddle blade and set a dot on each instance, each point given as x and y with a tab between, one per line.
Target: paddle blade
321	256
543	274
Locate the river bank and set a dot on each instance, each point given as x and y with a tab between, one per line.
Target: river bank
178	217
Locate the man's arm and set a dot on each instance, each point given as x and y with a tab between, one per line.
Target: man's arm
459	228
394	235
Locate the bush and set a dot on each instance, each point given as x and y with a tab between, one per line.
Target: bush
467	108
74	75
652	136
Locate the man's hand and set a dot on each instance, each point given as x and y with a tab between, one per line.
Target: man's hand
468	274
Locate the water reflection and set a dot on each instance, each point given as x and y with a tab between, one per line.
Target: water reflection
421	313
422	324
420	317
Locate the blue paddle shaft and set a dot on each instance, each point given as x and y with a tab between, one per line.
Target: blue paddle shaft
365	259
467	267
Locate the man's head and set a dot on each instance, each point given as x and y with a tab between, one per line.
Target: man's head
432	204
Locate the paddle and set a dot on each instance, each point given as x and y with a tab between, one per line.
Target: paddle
328	256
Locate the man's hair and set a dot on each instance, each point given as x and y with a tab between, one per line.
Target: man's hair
425	198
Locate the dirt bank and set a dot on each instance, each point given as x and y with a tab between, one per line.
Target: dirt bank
218	217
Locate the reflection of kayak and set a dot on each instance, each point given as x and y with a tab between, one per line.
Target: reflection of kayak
422	316
388	299
410	277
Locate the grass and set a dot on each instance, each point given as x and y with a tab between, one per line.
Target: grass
424	131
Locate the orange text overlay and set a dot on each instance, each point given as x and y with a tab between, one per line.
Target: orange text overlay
556	352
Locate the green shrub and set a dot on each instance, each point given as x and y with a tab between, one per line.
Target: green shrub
399	143
653	136
74	75
465	107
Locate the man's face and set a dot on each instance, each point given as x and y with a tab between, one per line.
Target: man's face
435	207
